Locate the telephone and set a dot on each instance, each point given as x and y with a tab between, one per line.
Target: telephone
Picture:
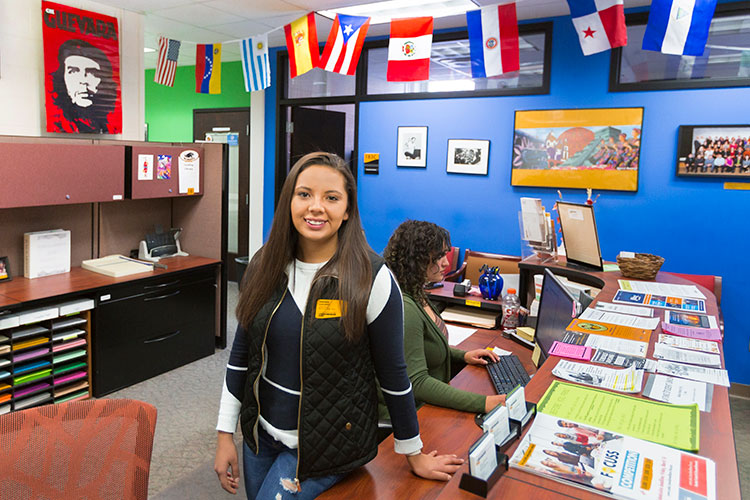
160	244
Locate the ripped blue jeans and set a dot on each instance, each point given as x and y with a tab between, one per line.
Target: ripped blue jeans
270	474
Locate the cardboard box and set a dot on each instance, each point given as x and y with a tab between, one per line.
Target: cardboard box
46	253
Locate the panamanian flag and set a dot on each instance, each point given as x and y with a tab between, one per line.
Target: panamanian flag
344	45
600	24
678	27
493	39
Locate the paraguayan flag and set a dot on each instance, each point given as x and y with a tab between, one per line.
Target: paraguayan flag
255	63
678	27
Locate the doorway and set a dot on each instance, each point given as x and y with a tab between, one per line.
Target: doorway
231	126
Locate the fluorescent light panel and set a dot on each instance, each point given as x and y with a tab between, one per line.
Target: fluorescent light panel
148	49
383	12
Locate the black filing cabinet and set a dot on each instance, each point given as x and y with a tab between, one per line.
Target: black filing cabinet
150	326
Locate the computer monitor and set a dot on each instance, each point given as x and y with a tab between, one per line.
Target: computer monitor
557	308
579	234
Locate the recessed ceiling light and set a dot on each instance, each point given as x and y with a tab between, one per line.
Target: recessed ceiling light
148	49
383	12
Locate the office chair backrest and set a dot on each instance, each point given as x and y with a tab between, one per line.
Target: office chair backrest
452	259
80	449
709	281
473	261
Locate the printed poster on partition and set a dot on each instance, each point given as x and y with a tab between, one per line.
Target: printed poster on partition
81	71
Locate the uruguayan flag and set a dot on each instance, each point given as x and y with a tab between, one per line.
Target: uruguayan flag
255	63
678	26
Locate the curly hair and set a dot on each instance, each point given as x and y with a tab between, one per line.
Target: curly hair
412	247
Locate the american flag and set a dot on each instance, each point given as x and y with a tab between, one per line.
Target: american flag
166	65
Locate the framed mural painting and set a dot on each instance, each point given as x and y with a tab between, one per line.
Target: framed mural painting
577	148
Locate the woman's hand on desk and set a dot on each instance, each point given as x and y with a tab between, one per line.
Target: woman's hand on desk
480	357
226	465
492	401
434	466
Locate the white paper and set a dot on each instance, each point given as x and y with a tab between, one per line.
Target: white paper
623	346
653	288
457	334
496	423
189	171
614	318
622	380
501	352
621	308
482	459
677	391
145	167
710	375
516	403
662	351
688	343
533	219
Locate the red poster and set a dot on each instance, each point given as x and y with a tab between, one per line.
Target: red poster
82	71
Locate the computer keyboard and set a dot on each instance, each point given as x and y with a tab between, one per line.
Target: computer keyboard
507	373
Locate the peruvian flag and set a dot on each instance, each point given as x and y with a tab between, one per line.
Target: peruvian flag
409	49
344	44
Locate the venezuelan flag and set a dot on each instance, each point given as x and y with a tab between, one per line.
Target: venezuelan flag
208	68
302	44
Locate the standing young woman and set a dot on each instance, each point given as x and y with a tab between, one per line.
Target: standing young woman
416	254
319	317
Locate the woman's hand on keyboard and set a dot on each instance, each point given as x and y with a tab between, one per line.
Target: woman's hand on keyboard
480	357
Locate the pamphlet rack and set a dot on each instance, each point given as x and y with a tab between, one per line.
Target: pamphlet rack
482	487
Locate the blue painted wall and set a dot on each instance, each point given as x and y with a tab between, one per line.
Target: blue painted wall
696	225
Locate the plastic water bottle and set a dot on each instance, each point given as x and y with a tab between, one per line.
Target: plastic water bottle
511	306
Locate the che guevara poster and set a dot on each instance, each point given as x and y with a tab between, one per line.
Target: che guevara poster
82	71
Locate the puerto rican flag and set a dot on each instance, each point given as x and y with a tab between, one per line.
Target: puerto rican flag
493	40
409	49
600	24
344	45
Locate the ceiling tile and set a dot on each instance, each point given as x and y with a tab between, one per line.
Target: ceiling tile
243	29
145	5
253	9
198	15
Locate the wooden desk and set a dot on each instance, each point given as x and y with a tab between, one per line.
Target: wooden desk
445	294
450	431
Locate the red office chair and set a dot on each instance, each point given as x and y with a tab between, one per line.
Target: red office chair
709	281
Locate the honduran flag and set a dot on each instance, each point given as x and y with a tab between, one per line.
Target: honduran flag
255	66
493	39
208	68
409	49
678	27
344	45
302	45
600	24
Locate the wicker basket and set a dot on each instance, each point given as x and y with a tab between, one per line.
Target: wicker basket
644	266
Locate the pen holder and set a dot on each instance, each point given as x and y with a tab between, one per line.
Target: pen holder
480	486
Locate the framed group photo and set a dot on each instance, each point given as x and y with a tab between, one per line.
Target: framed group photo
713	151
412	147
467	156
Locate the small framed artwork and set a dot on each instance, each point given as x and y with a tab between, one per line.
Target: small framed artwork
467	156
714	151
5	269
412	147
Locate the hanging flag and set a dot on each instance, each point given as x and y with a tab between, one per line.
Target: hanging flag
409	49
255	63
208	68
344	44
600	24
678	27
166	64
302	44
493	40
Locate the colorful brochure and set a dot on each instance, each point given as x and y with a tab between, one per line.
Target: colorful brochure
613	464
570	351
623	346
692	333
623	380
687	343
655	288
662	301
608	329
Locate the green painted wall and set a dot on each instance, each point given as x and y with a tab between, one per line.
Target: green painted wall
169	110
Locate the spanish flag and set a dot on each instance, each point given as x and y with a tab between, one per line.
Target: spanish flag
302	44
208	68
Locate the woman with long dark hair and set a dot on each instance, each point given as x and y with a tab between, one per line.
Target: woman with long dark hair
319	317
416	254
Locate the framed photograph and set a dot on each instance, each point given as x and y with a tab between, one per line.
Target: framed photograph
5	269
577	148
412	147
714	151
468	156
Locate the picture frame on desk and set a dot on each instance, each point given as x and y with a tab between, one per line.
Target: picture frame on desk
468	156
5	269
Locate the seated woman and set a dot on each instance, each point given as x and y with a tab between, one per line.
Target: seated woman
416	254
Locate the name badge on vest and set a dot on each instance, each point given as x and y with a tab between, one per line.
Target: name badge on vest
328	308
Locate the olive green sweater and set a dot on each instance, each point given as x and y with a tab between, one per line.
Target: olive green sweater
428	363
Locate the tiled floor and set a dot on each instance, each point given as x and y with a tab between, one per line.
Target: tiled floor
187	400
